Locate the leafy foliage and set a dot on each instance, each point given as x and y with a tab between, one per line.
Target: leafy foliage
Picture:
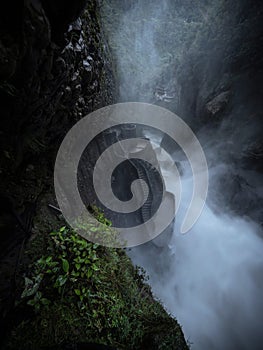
81	291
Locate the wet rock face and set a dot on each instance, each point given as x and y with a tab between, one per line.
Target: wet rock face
60	13
46	87
48	81
226	48
122	177
218	104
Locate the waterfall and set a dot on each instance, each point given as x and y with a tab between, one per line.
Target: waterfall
176	54
213	279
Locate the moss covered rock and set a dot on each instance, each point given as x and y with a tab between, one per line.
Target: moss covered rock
83	292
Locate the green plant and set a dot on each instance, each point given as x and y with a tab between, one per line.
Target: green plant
75	261
81	291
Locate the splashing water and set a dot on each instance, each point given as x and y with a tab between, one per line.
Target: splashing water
214	281
213	276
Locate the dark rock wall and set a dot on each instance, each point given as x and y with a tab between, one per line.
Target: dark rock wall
48	81
226	49
124	174
219	79
48	85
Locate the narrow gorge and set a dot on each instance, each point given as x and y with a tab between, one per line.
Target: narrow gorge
61	61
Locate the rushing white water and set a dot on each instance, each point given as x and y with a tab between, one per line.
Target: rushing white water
217	284
213	283
211	279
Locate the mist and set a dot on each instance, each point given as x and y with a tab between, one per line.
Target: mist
188	58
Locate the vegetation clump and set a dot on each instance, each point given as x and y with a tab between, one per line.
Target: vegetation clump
83	292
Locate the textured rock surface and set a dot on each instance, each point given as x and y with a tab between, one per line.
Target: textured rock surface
218	104
48	81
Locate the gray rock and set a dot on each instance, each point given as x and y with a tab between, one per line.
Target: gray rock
218	103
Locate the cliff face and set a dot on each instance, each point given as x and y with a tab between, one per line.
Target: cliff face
48	81
54	69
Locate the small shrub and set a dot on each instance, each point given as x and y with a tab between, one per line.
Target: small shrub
81	291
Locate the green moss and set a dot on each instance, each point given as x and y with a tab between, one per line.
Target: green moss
81	291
